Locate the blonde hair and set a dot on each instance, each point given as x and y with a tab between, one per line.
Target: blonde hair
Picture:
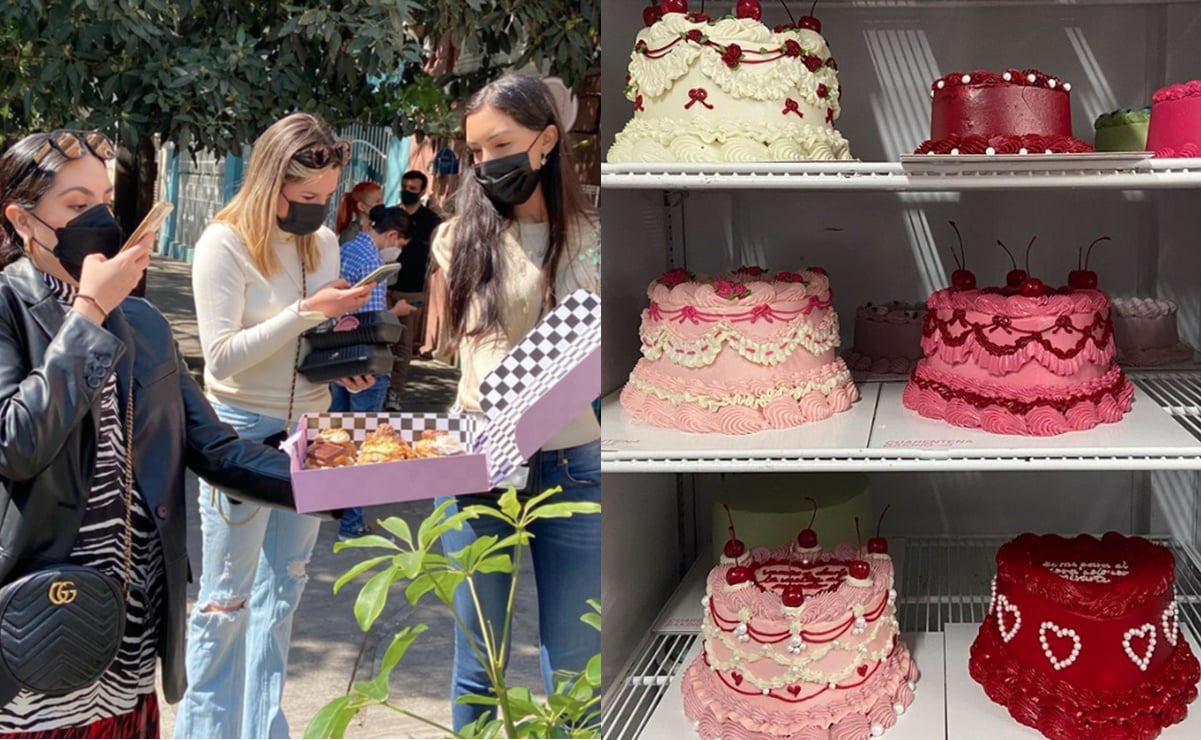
253	211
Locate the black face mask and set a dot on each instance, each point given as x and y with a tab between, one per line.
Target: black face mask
304	218
508	180
95	231
409	198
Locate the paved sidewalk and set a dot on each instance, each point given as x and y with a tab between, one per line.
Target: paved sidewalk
328	650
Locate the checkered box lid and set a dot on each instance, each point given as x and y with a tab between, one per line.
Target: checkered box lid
557	345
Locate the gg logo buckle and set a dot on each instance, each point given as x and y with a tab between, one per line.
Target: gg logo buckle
62	592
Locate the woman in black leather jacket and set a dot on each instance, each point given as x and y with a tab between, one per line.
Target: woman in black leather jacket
73	347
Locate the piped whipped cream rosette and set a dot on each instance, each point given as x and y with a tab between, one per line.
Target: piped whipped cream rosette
738	353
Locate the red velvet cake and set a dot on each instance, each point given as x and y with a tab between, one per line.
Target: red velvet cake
1175	127
1016	112
1082	638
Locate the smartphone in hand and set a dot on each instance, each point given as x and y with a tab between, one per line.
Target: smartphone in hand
151	224
381	274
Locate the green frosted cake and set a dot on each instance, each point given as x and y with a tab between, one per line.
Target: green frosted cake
770	508
1122	131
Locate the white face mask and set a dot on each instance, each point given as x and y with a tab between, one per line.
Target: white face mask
389	254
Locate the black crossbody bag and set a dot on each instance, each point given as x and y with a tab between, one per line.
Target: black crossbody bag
62	625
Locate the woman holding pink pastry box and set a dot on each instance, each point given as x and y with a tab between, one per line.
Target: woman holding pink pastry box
523	239
266	270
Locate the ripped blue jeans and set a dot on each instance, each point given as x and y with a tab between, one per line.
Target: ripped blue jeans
253	573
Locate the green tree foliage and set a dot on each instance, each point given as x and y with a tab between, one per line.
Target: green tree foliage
214	74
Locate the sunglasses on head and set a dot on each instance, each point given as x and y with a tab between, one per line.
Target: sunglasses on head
69	144
320	156
73	144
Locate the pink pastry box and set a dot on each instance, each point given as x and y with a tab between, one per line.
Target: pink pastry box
544	382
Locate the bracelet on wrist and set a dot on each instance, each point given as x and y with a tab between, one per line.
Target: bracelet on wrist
89	299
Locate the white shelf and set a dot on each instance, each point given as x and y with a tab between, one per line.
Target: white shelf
917	174
1162	432
941	581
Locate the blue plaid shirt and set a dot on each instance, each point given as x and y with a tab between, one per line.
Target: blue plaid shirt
360	258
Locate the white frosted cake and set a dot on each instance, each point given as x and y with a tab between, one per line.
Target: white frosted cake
730	90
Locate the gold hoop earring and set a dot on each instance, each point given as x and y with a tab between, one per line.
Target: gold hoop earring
29	245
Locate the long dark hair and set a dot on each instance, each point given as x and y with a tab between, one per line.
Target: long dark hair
23	182
476	266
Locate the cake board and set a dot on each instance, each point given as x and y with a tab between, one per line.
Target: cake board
1146	430
849	430
970	713
682	614
924	720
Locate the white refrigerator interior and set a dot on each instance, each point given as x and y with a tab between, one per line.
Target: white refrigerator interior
881	232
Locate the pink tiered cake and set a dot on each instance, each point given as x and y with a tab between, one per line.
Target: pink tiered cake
1024	359
800	642
738	353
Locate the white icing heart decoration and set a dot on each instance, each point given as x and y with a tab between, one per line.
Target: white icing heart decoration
1003	605
1147	631
1170	621
1056	663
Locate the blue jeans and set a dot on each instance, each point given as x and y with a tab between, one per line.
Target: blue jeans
251	580
567	572
371	399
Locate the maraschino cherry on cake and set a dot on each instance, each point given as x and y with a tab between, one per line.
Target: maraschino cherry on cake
1024	359
730	89
800	641
738	353
1082	638
1015	112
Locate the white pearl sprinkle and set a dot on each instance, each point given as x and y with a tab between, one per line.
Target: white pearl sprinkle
877	729
955	150
931	93
898	709
1051	83
833	685
966	79
942	84
1007	77
1047	152
1023	150
766	692
990	150
912	685
1067	87
1031	78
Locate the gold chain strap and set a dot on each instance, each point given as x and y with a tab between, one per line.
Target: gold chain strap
129	488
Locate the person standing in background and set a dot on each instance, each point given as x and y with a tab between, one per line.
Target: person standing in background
353	209
523	238
266	270
386	230
410	284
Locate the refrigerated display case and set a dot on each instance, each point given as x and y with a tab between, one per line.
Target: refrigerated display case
878	225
